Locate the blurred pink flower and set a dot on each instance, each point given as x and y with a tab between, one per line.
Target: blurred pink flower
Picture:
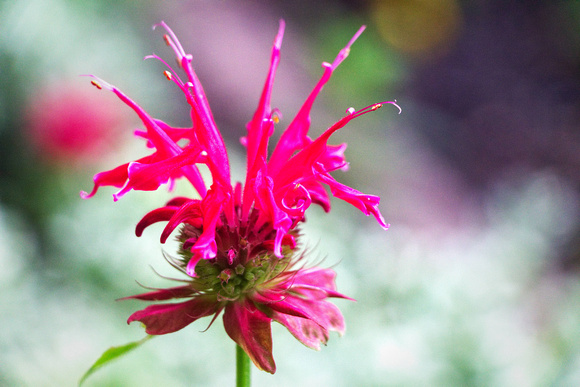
239	243
66	124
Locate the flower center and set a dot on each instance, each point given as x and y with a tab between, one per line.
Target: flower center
243	264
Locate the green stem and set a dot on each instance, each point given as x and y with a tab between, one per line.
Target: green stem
243	369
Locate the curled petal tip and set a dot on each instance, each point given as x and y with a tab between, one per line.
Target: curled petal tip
161	23
394	103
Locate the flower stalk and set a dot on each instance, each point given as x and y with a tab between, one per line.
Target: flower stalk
243	369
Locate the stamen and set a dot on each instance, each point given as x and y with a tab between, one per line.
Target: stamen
167	75
167	39
377	106
96	84
350	110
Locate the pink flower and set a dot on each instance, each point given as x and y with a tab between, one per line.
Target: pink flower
239	244
70	126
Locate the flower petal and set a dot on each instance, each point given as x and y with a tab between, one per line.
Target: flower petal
324	313
161	319
157	215
206	131
163	294
251	330
368	204
205	246
295	136
322	278
276	302
306	331
189	212
261	127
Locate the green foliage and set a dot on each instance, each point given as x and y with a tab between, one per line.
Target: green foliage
112	354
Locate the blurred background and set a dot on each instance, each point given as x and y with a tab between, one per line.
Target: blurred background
476	283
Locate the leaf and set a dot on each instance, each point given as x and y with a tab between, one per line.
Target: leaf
112	354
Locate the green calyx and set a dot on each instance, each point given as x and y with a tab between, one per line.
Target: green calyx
232	275
232	283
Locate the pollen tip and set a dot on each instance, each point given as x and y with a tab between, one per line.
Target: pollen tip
96	84
350	110
167	75
167	39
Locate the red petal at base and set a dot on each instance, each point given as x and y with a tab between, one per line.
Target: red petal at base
251	330
160	319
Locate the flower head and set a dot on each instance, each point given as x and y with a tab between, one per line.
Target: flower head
239	243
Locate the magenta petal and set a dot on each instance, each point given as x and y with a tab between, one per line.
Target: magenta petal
334	158
322	278
279	219
261	123
368	204
115	177
161	319
316	284
321	312
189	211
178	201
306	331
206	131
316	293
205	246
251	330
163	294
157	215
148	177
295	136
318	194
279	305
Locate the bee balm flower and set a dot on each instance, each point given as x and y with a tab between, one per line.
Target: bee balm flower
239	244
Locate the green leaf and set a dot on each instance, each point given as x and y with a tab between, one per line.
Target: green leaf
111	354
